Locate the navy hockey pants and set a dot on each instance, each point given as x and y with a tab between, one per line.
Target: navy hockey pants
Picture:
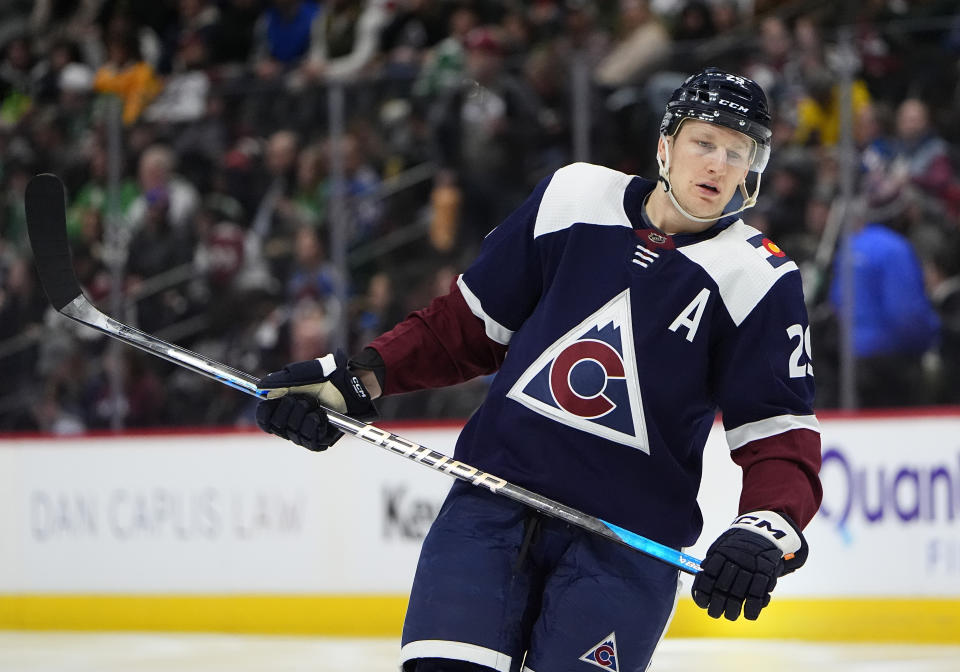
503	587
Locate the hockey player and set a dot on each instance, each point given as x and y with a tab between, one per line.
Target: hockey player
620	315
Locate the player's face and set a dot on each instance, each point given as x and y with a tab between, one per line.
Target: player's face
707	164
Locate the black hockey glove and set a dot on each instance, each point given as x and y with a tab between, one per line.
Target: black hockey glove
742	566
293	408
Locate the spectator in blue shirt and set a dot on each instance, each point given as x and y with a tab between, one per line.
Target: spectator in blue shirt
894	323
282	36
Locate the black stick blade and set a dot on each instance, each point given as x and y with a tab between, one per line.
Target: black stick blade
46	209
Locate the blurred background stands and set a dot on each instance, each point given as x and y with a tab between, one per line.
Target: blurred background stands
262	181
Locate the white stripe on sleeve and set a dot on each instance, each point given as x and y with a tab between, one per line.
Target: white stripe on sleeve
495	331
761	429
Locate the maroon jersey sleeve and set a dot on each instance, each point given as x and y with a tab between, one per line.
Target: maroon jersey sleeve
442	344
781	473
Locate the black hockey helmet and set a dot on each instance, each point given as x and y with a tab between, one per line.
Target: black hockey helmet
719	97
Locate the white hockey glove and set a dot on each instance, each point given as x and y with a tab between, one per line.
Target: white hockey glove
742	566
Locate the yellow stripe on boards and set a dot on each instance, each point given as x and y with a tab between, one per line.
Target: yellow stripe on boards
833	620
335	615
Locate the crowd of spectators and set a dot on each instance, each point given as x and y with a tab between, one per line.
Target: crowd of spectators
194	139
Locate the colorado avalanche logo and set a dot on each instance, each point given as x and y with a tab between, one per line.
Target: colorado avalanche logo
584	379
604	654
580	376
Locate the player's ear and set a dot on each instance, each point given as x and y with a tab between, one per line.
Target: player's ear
661	149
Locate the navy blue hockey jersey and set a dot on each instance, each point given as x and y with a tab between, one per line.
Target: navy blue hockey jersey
623	344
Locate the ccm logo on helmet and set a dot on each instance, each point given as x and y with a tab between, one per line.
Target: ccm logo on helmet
733	105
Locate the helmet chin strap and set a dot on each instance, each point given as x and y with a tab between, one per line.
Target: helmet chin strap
749	200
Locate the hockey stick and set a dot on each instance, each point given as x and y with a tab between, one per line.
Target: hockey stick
45	203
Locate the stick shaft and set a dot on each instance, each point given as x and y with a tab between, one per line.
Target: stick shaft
82	311
465	472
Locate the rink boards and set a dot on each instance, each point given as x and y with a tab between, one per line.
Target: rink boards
238	531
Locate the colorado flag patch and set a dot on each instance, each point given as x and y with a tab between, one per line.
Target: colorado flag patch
769	250
604	654
587	379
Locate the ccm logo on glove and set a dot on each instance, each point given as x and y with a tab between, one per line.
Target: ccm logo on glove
766	523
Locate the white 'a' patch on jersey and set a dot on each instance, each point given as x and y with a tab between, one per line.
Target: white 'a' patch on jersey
587	379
